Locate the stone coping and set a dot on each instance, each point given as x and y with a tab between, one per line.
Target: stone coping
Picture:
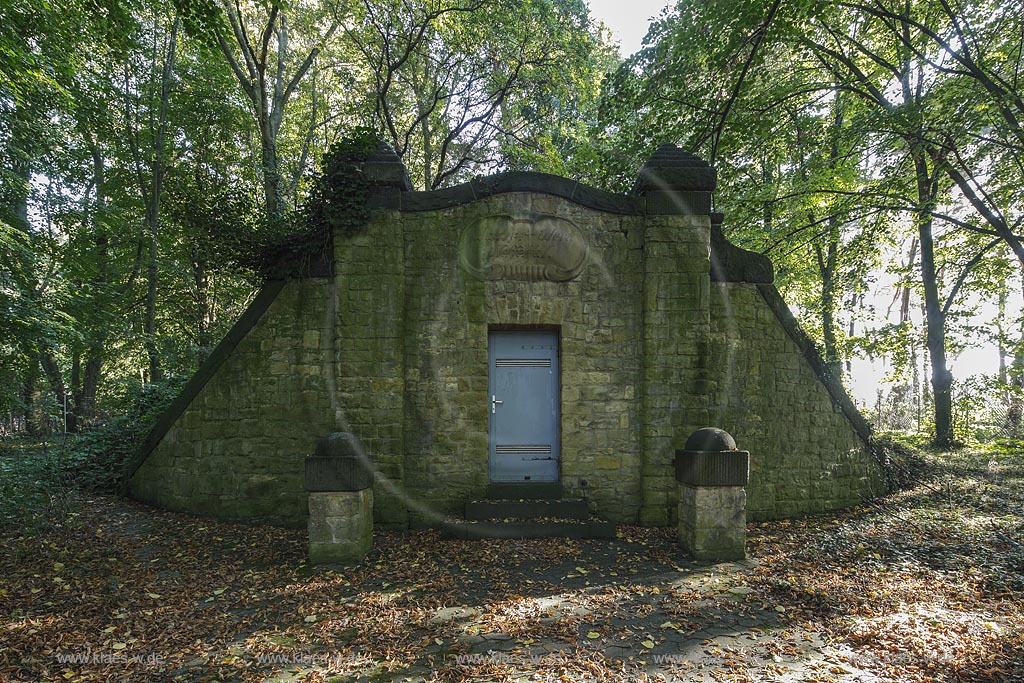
517	181
730	263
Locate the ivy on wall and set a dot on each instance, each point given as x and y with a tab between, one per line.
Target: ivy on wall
337	203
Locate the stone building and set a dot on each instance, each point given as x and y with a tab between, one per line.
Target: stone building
522	329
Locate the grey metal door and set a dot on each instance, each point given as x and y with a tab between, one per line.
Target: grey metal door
523	393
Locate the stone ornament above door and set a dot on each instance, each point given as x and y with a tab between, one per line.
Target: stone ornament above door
526	246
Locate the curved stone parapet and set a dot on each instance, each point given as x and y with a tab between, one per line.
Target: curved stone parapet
730	263
520	181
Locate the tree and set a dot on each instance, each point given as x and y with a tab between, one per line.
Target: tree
41	52
147	104
975	47
880	63
269	58
727	82
455	82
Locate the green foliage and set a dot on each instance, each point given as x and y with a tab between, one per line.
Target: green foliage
97	459
40	481
813	168
337	199
270	247
904	464
225	224
983	411
464	87
202	18
87	84
35	491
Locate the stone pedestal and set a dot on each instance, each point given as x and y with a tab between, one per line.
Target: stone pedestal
712	521
340	525
711	474
339	479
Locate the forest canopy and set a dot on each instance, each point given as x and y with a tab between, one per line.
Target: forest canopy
149	149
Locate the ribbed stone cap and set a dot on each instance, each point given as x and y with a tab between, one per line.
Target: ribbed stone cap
340	464
711	459
384	168
673	169
712	468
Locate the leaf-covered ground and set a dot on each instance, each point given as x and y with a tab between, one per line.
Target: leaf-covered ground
924	585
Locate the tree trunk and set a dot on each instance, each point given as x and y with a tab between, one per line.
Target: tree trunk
829	264
271	174
827	268
82	392
86	409
827	257
1015	414
1001	335
153	205
85	400
767	206
204	317
56	378
20	153
935	319
261	75
152	350
28	396
75	391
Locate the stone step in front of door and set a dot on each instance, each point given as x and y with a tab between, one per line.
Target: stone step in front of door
477	510
527	528
532	490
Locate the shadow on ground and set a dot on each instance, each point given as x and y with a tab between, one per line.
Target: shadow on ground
920	586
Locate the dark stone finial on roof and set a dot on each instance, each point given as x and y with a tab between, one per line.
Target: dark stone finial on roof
672	168
676	181
383	168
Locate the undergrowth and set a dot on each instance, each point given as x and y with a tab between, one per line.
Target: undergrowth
41	478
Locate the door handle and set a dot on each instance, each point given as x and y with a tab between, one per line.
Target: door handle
494	403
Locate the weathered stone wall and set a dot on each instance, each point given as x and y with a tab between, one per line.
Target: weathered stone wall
394	348
369	395
448	315
805	455
237	450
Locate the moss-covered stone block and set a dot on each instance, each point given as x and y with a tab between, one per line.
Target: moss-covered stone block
712	521
340	526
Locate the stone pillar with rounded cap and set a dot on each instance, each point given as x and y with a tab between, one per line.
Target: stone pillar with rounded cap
339	478
711	474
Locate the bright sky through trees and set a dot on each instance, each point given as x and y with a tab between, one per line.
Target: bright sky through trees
628	21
